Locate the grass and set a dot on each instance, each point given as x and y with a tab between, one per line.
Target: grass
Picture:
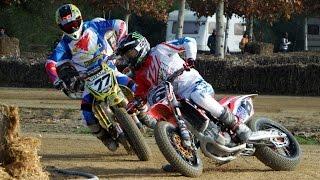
83	130
307	140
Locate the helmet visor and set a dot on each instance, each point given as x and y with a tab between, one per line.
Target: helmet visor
72	26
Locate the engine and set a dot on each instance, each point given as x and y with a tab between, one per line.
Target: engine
215	132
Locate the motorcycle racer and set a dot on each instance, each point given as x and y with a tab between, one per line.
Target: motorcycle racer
85	44
152	66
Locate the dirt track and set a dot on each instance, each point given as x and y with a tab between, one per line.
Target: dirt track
85	153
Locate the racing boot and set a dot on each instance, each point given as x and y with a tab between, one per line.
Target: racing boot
145	118
242	131
104	136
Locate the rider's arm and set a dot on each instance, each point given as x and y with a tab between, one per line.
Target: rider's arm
143	84
185	44
119	26
58	55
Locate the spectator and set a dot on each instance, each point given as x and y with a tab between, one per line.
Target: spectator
3	32
212	42
244	42
284	45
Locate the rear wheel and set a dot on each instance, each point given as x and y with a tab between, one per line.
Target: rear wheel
187	162
286	156
133	133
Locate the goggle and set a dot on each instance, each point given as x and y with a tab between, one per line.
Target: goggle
71	27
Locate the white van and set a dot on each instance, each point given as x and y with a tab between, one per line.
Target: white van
201	28
313	34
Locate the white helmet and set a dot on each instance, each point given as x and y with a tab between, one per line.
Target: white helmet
69	19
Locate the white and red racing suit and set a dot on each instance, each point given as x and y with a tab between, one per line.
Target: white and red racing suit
162	61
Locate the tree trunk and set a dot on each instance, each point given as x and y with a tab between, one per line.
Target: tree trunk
305	34
220	30
251	29
181	19
127	15
226	35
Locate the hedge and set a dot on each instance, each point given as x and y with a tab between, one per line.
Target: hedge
281	74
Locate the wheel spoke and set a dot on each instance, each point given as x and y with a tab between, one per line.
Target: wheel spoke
284	151
192	159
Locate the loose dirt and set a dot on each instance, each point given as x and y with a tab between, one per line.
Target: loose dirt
50	116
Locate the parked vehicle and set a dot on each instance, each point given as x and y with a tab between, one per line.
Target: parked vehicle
313	36
201	28
270	142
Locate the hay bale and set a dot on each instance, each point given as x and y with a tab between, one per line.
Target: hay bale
18	154
4	175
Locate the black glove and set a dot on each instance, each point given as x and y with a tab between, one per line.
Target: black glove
133	105
59	84
189	63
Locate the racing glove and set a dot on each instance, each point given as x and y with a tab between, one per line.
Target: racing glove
134	105
189	63
59	84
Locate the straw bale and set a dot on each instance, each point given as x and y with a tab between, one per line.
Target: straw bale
4	175
18	154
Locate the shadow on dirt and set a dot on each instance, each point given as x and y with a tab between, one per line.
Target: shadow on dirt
149	172
89	157
235	170
123	172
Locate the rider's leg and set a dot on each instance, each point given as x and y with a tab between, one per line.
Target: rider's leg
143	109
93	124
202	95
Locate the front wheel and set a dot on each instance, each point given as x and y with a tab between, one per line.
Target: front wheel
282	158
133	133
187	162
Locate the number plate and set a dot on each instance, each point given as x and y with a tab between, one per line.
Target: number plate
100	82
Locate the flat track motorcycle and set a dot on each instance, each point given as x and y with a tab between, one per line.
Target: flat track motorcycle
270	142
110	100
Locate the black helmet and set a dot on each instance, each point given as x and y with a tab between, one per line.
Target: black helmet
135	47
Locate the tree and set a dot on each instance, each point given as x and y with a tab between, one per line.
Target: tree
155	8
269	10
272	9
11	2
220	30
181	18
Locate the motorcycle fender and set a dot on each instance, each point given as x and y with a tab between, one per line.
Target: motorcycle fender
162	112
241	106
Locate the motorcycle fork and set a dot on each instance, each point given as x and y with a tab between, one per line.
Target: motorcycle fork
105	116
174	103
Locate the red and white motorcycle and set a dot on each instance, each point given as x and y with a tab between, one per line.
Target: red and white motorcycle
270	142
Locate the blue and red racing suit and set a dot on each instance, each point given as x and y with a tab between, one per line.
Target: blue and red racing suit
93	47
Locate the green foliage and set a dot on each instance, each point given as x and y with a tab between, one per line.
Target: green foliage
83	130
307	140
33	22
